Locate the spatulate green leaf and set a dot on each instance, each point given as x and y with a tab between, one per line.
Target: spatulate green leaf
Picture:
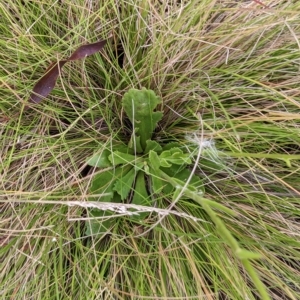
103	184
100	160
182	175
152	145
124	183
120	158
139	106
135	144
174	156
154	160
157	183
171	145
141	196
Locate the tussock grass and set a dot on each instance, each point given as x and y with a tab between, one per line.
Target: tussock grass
233	65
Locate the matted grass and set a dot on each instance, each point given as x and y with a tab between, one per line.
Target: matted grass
226	71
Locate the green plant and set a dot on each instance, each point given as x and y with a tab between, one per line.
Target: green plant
128	168
138	171
235	64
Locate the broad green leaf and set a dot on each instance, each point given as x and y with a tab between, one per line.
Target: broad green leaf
146	167
135	144
195	183
122	148
140	164
164	163
152	145
168	188
171	145
173	170
154	161
124	183
120	158
103	183
182	175
157	183
100	160
139	106
174	156
141	196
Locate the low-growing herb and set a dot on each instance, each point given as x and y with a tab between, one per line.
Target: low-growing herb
133	175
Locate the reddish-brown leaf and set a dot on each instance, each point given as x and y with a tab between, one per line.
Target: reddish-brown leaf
46	84
86	50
